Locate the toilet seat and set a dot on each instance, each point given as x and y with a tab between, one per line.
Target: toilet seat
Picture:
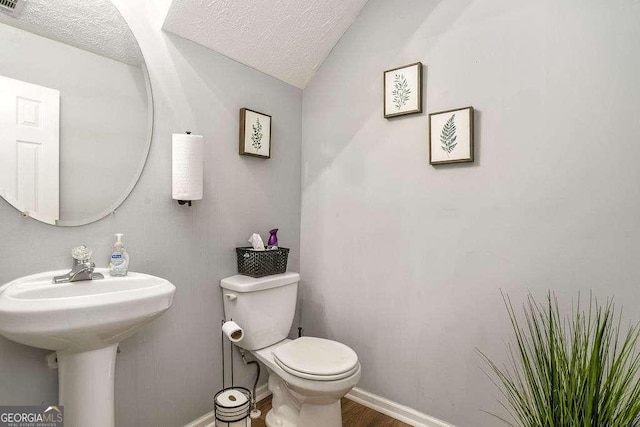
316	359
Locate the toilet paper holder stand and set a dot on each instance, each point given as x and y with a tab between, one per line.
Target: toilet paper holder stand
242	413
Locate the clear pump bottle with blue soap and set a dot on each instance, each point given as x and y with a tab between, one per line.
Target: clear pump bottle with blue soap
119	262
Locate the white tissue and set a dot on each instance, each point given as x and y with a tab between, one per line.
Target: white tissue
256	242
187	166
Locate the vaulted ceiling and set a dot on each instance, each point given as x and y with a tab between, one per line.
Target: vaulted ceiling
287	39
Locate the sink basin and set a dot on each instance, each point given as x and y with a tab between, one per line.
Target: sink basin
80	316
83	322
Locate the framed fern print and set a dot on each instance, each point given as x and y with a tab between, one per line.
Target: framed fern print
255	134
451	136
403	90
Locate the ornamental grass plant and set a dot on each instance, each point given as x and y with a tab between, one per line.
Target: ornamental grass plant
575	371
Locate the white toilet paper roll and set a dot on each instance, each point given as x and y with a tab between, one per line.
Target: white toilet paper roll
233	331
187	167
231	399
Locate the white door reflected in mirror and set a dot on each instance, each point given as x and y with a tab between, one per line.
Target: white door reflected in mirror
30	148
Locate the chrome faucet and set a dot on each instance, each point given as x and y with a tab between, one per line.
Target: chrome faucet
82	267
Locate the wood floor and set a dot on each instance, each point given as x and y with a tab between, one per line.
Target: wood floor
353	415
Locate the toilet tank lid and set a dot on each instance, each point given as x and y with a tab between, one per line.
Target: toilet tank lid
240	283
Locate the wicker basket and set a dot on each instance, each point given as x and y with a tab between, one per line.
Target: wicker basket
262	263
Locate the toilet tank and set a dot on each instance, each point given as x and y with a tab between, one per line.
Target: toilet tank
263	307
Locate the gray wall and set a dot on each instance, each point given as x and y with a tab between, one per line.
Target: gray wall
167	374
404	261
103	117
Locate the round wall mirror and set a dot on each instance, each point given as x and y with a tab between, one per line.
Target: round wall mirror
76	111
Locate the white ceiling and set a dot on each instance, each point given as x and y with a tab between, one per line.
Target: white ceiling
287	39
95	25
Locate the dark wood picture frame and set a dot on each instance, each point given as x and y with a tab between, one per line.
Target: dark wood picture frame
243	125
418	90
471	138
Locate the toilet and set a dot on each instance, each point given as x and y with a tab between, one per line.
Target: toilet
307	376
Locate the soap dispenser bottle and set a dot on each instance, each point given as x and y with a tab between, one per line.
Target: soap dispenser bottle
119	262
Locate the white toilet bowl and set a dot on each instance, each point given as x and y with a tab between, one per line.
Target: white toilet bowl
307	390
307	376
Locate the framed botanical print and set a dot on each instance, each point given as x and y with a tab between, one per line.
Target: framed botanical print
255	134
451	136
403	90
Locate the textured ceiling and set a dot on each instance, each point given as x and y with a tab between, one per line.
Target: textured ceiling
94	25
287	39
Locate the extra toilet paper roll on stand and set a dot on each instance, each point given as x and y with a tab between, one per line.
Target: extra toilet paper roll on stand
233	407
231	398
187	166
233	331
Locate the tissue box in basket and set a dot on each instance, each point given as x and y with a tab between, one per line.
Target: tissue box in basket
262	263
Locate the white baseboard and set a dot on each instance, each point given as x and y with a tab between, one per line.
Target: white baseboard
378	403
262	392
394	410
209	419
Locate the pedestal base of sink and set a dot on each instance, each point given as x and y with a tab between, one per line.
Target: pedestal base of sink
86	387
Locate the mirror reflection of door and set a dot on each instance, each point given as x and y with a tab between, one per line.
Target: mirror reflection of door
29	148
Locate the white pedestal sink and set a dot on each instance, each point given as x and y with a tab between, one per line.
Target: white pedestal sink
83	322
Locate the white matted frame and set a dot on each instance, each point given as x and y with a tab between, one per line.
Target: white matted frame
451	136
403	90
255	134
